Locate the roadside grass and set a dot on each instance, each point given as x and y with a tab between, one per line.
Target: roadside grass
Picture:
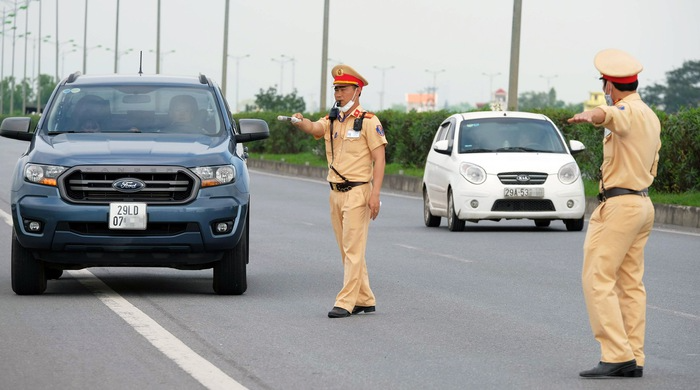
591	187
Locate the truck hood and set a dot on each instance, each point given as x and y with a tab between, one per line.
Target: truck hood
72	149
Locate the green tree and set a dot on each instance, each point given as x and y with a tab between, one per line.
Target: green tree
682	89
534	100
270	101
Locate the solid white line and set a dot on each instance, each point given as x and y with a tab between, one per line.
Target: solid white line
676	313
6	217
434	253
199	368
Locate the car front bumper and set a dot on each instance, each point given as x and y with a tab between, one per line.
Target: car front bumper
487	201
176	235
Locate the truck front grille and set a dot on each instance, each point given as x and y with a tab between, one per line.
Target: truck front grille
161	184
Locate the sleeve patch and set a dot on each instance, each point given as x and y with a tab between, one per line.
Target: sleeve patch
380	130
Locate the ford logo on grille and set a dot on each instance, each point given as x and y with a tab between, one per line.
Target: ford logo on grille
128	185
523	178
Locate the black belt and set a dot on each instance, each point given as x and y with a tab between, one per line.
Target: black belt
346	186
616	191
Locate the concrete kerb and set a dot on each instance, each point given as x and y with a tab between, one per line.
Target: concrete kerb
685	216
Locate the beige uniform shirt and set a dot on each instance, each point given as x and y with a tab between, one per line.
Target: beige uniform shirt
351	155
631	149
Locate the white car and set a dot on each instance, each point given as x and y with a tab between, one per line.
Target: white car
493	165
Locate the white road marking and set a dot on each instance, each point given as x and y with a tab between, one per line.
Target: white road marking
675	313
199	368
435	253
6	217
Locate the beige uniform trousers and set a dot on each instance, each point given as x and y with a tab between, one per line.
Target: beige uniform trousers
350	217
613	267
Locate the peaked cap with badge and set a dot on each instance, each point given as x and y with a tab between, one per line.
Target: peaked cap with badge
617	66
344	74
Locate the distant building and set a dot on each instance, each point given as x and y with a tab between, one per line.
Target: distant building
596	99
499	100
421	102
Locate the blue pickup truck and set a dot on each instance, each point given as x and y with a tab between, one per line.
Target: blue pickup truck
133	171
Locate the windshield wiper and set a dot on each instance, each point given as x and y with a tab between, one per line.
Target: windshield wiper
478	150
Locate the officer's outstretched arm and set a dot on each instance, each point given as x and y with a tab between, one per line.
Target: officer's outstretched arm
307	126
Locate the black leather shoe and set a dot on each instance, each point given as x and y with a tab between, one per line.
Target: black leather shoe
638	372
338	312
610	369
366	309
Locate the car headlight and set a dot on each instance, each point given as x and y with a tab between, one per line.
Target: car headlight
569	173
472	172
43	174
216	175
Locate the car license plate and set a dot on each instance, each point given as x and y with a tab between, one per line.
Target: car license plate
130	216
520	192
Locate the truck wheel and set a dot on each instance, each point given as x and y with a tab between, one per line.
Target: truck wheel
28	277
230	272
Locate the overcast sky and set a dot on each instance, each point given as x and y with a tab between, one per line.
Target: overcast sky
468	39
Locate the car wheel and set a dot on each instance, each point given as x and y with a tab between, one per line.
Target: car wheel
53	273
230	272
453	223
542	222
574	225
429	219
28	276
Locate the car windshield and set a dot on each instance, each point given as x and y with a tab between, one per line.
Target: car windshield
137	109
509	135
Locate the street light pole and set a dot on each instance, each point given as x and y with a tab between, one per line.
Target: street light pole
12	82
116	40
293	61
281	61
548	78
381	93
24	78
238	67
224	62
38	70
435	73
324	57
85	49
491	91
2	64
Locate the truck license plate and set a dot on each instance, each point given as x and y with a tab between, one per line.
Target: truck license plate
520	192
129	216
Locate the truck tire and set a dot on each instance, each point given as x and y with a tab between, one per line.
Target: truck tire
28	275
230	272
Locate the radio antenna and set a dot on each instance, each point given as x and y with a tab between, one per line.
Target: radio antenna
141	63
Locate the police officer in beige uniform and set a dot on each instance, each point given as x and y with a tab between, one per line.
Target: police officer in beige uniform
355	144
618	229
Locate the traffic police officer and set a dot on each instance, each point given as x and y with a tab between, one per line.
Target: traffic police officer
618	229
355	144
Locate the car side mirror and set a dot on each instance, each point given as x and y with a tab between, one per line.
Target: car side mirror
576	146
16	128
443	147
252	130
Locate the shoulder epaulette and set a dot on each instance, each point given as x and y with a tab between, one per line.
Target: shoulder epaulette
369	115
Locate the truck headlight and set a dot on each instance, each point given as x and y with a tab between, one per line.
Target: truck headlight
216	175
568	173
43	174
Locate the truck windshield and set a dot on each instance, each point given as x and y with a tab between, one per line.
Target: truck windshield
137	109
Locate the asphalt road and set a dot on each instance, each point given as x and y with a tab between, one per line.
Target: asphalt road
498	306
